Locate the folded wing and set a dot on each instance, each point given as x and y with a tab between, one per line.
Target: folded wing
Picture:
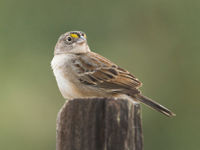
97	71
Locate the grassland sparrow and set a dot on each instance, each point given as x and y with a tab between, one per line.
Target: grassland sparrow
81	73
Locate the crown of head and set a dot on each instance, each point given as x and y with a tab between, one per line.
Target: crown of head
72	42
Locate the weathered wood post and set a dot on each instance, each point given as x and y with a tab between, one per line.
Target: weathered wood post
99	124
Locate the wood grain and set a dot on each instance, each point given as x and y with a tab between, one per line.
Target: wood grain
99	124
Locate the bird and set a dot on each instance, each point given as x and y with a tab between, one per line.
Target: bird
81	73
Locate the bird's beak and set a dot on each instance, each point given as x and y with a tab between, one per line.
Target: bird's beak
81	40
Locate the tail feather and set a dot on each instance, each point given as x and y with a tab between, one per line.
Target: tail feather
154	105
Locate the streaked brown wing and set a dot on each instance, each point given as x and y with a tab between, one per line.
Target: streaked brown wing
95	70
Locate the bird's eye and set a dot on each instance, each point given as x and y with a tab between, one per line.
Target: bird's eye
69	39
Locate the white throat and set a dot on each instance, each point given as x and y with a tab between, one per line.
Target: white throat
82	48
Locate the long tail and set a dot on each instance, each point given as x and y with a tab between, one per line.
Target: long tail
154	105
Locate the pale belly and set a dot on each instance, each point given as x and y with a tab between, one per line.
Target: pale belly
64	82
70	88
65	86
68	84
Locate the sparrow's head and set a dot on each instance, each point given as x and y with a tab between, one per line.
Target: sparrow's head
72	42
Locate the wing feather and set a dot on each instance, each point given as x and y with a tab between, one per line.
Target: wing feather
95	70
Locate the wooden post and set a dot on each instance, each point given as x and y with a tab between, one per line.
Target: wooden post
99	124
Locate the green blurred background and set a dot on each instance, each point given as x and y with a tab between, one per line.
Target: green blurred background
157	40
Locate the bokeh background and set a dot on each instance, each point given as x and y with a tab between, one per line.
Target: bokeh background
157	40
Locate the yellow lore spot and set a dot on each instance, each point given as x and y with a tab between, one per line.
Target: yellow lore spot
74	35
85	36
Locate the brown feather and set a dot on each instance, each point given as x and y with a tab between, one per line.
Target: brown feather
98	71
